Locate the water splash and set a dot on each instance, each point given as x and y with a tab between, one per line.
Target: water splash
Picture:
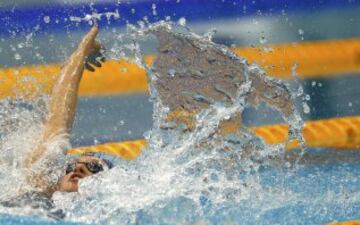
92	18
190	162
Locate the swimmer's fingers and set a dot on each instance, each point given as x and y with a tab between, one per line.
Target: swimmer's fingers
95	59
88	43
88	67
99	51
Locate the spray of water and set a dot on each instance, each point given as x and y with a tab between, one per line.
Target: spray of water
191	166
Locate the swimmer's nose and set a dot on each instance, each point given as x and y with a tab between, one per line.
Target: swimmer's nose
80	169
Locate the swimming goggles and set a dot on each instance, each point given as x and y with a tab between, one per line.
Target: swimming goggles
93	167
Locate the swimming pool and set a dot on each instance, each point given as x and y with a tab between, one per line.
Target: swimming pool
320	187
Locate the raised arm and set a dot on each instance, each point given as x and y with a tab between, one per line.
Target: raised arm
65	92
64	96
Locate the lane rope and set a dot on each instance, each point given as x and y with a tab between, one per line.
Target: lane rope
313	59
339	133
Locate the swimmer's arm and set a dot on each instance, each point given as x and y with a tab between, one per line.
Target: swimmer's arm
64	95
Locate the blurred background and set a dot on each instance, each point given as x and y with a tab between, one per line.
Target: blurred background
35	32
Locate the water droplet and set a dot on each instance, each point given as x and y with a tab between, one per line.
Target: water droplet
153	7
133	11
301	31
262	40
287	165
17	56
306	108
47	19
172	72
20	45
300	91
141	24
313	83
182	21
210	34
307	97
267	49
350	104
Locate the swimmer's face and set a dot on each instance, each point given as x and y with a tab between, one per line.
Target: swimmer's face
80	168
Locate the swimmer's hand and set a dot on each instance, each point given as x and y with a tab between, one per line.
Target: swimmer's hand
95	58
92	50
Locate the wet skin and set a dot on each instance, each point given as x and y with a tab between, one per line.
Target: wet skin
70	181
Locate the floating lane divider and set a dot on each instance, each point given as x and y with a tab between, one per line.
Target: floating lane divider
313	59
128	150
352	222
341	133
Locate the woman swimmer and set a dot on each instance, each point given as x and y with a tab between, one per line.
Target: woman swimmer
60	119
44	168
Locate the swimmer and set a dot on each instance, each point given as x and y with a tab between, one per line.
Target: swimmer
42	166
60	119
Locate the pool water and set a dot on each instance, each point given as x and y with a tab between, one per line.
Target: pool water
325	192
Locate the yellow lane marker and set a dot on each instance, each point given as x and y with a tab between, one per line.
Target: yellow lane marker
313	59
127	150
352	222
341	133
